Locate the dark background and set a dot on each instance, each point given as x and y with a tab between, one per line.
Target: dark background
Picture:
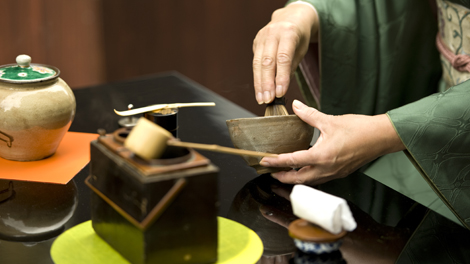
100	41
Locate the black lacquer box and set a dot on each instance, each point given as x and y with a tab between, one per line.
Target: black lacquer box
158	211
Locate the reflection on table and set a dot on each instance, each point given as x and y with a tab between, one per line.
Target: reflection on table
391	226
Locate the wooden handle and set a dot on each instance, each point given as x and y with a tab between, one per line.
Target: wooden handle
217	148
152	108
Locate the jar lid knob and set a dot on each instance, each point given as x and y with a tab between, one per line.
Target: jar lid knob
23	60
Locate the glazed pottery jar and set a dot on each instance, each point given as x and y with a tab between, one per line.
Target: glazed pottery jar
36	110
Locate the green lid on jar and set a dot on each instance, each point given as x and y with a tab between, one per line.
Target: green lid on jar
26	72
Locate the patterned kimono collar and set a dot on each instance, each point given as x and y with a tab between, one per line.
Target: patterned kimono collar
452	41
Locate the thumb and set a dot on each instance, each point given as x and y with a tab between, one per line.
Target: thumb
309	115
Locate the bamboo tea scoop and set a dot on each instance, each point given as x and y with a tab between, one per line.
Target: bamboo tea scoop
149	140
156	107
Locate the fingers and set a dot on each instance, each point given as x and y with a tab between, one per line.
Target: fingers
284	58
309	115
268	69
290	177
272	63
294	160
307	175
257	59
264	66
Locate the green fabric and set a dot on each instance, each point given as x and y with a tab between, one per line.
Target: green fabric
396	171
436	133
304	89
377	56
436	241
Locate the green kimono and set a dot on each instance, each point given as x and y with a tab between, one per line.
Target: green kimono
380	56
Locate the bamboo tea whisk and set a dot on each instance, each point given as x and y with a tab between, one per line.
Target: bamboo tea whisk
276	108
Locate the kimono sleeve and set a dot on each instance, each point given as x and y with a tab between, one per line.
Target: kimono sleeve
436	133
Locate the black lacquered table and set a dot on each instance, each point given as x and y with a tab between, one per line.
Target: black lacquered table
390	226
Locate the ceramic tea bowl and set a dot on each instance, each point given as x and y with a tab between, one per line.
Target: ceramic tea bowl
271	134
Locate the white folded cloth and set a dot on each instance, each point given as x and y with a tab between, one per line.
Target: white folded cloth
325	210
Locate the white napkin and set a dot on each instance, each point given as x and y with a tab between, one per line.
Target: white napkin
328	211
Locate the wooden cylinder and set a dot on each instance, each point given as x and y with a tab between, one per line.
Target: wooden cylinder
147	139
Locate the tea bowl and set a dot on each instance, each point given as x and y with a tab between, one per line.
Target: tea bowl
271	134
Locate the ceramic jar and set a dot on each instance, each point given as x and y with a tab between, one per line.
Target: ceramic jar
36	110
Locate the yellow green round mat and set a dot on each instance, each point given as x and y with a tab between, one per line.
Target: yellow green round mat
80	244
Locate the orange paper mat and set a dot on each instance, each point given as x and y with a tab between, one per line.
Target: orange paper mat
72	155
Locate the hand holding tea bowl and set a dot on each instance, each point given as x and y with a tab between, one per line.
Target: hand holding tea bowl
271	134
346	143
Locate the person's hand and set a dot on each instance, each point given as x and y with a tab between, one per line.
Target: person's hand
278	49
345	144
